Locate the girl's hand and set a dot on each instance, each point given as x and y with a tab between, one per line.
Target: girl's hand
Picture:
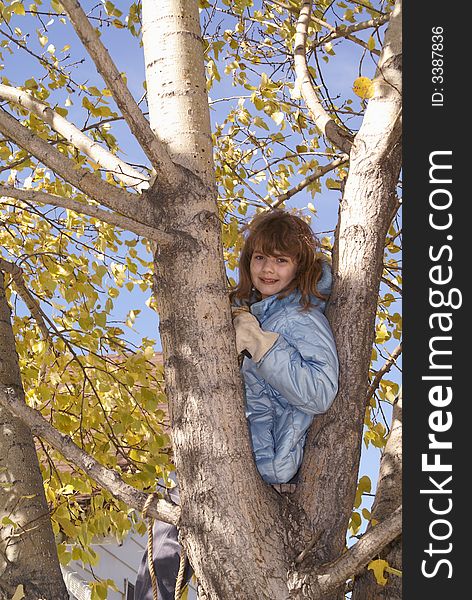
250	336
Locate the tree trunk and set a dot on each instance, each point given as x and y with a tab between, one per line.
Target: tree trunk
387	498
231	521
28	553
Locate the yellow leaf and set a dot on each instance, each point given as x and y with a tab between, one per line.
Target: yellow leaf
355	523
378	567
363	486
363	87
18	9
19	593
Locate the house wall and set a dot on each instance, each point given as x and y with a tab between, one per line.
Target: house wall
117	562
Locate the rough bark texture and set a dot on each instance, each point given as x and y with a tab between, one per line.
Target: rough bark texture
22	496
388	497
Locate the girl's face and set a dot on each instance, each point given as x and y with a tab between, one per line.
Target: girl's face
271	274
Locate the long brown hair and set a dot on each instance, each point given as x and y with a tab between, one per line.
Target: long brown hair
280	233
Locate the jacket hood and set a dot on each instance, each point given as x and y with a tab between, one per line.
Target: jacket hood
325	282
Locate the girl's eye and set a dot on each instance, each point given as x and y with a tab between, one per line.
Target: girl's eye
258	257
282	260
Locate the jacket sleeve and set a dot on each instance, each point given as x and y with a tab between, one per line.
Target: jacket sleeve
302	365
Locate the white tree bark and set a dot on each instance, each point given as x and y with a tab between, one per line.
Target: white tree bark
323	120
176	84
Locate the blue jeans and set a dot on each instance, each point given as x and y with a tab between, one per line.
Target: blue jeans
166	560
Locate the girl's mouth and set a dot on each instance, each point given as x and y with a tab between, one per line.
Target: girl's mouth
268	281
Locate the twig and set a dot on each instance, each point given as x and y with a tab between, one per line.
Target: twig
16	273
319	172
384	369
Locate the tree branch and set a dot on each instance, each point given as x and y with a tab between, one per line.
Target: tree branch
16	273
166	171
77	138
96	212
319	172
384	369
333	575
106	478
352	561
337	32
324	122
392	286
89	183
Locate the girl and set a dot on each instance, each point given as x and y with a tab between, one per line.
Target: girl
290	369
290	366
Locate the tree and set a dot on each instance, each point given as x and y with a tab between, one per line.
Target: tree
242	537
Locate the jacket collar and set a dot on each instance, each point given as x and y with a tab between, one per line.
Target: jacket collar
261	308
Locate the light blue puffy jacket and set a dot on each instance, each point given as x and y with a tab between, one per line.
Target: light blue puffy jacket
295	380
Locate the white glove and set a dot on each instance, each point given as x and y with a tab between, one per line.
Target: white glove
250	336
